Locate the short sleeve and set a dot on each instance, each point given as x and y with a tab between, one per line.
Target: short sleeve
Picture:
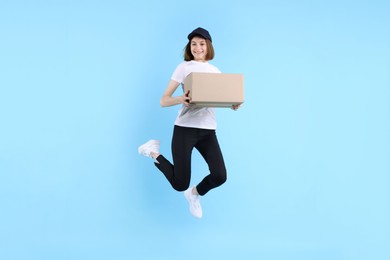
179	73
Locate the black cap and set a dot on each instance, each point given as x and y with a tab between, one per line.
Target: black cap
199	32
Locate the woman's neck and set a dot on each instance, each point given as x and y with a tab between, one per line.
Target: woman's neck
204	61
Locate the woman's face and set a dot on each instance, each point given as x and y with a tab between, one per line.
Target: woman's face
198	48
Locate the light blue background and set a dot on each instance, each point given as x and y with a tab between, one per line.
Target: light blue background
307	155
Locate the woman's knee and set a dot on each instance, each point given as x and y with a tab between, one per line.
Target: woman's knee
181	185
220	178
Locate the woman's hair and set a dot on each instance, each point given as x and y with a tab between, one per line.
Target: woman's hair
210	51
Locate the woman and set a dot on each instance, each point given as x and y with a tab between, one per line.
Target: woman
194	128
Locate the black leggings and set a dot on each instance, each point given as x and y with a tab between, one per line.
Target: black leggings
183	141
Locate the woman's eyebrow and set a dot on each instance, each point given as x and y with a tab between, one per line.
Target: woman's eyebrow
201	41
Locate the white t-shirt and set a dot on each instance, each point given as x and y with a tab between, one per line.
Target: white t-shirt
192	116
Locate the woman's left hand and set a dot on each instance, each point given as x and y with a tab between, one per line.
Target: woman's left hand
235	107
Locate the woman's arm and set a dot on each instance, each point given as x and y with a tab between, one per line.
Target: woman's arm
167	100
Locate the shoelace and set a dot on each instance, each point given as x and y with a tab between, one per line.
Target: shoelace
195	202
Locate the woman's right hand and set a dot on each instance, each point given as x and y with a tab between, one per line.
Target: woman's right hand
186	99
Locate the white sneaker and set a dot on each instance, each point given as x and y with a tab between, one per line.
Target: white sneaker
149	147
194	201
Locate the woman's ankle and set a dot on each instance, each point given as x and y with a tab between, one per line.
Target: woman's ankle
154	155
194	191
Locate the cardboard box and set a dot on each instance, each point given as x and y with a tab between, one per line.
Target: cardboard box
215	89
